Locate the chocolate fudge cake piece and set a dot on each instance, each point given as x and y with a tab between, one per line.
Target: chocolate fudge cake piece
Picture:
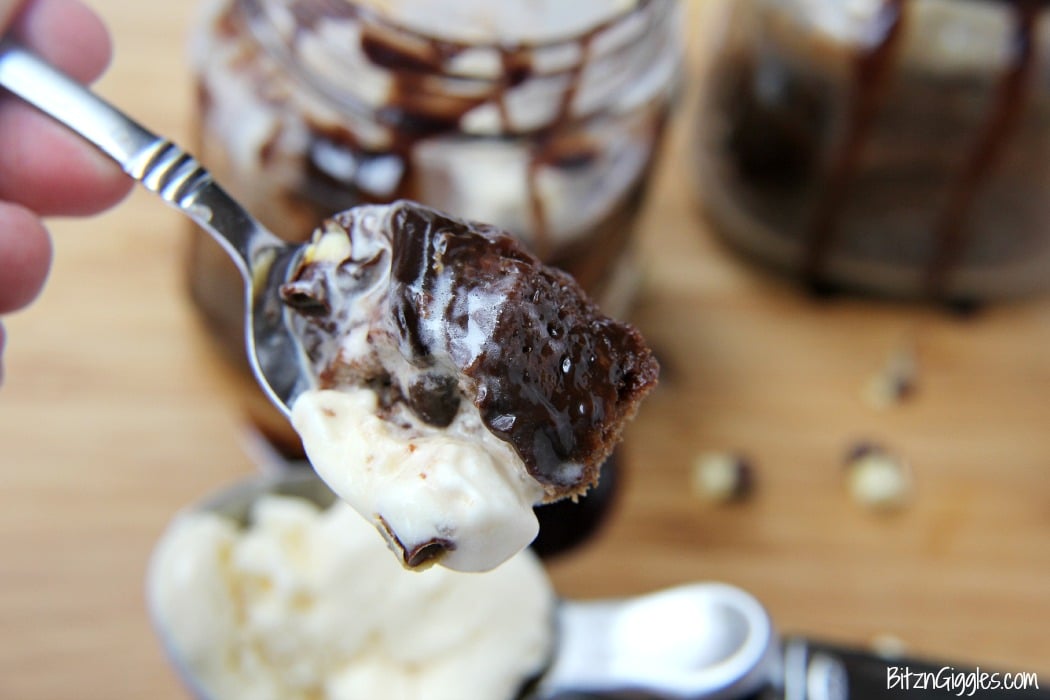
455	330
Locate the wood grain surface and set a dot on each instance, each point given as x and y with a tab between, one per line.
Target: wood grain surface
115	413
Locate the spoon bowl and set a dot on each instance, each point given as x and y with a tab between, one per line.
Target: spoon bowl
163	168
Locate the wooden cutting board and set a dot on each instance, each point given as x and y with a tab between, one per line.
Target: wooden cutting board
115	412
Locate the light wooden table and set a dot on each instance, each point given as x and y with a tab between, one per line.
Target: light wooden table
115	413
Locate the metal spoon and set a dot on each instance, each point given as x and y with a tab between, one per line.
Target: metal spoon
703	640
165	169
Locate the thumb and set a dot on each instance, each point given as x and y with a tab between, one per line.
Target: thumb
8	10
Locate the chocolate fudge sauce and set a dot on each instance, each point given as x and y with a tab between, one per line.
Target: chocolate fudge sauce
548	372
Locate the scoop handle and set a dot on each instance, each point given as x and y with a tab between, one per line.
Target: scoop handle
704	640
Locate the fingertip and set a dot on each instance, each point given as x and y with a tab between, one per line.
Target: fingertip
52	170
68	34
25	256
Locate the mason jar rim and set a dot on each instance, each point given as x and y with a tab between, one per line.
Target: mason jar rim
377	18
653	14
258	10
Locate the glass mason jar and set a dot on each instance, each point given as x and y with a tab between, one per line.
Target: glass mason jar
900	147
542	119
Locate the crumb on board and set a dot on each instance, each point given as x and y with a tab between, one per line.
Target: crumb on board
896	380
888	646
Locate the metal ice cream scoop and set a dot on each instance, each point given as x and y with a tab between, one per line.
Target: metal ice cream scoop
700	640
703	640
166	170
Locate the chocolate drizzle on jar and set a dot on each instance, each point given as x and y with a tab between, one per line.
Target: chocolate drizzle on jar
886	158
419	108
870	69
873	68
951	231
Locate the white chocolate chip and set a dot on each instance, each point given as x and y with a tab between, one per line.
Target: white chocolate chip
877	479
721	476
330	244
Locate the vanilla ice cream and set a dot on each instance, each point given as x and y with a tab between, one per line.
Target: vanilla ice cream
458	495
305	604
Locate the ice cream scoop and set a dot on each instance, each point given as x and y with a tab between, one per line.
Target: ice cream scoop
704	640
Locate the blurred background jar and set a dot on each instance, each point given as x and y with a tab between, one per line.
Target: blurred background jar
542	118
900	147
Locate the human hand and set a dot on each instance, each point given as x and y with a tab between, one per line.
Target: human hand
44	169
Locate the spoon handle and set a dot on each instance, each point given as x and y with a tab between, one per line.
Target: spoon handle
156	163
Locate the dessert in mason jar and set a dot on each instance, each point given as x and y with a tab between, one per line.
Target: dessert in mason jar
304	603
541	118
893	146
460	381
